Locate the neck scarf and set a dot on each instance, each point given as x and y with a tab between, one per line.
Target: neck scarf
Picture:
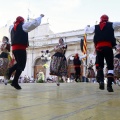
102	25
103	21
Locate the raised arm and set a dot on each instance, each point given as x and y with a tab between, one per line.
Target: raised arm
82	57
89	29
28	26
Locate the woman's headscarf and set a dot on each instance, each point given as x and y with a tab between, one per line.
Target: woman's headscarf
5	39
103	20
61	42
19	20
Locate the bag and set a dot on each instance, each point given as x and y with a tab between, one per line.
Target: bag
3	66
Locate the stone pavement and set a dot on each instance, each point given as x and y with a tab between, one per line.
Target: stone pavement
69	101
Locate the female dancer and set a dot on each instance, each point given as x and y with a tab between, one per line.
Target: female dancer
6	58
91	72
58	64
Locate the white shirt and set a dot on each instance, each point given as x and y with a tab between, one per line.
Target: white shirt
81	57
29	26
115	26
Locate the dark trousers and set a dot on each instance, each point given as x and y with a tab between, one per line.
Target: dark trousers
77	73
107	54
104	53
20	57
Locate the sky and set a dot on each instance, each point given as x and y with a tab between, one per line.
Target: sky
62	15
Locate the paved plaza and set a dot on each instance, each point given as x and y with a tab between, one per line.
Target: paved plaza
69	101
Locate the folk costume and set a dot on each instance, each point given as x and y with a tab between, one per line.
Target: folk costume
77	67
19	41
5	58
104	41
117	65
58	64
91	72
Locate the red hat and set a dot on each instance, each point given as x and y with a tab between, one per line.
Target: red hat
19	19
104	18
76	55
103	21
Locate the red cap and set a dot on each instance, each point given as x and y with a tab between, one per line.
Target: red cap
104	18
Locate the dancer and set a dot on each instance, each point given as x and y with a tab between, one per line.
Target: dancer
117	64
117	54
91	73
5	48
77	66
104	41
19	41
58	64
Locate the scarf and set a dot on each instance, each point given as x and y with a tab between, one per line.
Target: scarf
103	21
19	20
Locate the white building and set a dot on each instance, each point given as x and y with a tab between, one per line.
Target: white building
43	38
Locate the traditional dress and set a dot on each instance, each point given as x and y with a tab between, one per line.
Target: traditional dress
5	58
117	67
58	64
117	62
90	72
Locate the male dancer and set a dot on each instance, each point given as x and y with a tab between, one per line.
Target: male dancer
104	41
19	42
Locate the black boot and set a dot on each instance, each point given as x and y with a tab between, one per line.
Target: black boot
76	79
109	82
15	80
100	79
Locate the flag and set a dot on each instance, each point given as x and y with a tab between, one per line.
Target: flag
83	45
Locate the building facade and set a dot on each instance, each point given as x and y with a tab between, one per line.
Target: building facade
43	38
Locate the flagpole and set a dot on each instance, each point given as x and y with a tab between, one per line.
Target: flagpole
85	40
83	45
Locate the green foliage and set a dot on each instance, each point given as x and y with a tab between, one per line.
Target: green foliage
9	81
40	81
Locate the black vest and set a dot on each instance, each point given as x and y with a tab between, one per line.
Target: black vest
19	36
107	34
76	61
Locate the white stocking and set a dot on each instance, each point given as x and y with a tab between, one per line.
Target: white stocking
57	80
64	79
